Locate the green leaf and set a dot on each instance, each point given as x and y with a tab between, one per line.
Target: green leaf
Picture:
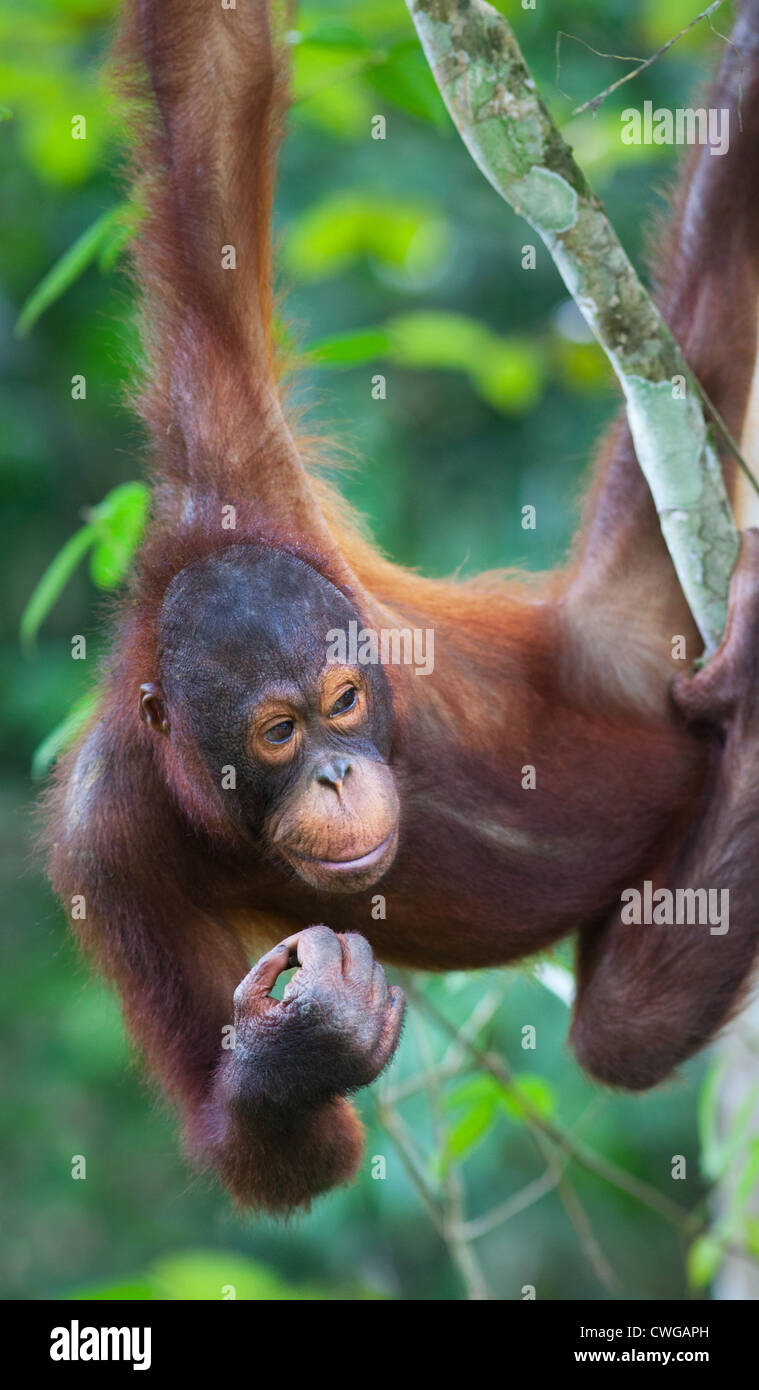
478	1088
482	1099
54	581
204	1274
344	227
479	1100
529	1095
61	736
340	36
508	373
469	1131
132	1291
405	79
751	1234
704	1259
119	520
211	1276
327	87
718	1153
69	268
583	367
128	216
432	338
113	533
349	349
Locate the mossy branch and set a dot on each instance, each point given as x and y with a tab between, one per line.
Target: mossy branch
492	99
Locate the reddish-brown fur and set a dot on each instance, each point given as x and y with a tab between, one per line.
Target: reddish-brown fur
569	673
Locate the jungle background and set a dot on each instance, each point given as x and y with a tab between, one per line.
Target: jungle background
394	257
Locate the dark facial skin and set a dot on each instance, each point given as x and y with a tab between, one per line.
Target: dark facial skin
243	667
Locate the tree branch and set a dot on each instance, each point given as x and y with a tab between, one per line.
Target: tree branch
491	97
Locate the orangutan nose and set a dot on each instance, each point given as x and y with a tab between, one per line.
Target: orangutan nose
333	773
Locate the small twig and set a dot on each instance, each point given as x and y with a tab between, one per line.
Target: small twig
584	1231
420	1081
513	1206
539	1187
461	1253
726	435
562	34
642	1191
447	1212
618	1177
481	1014
596	101
392	1122
456	1055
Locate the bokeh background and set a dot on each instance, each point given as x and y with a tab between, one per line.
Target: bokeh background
394	256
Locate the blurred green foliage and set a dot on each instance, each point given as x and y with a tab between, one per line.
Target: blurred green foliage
211	1274
396	256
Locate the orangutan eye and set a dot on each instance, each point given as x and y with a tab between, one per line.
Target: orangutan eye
344	702
281	732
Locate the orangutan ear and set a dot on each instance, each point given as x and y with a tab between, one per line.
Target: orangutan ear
153	710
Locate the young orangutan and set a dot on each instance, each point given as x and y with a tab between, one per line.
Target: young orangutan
237	789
